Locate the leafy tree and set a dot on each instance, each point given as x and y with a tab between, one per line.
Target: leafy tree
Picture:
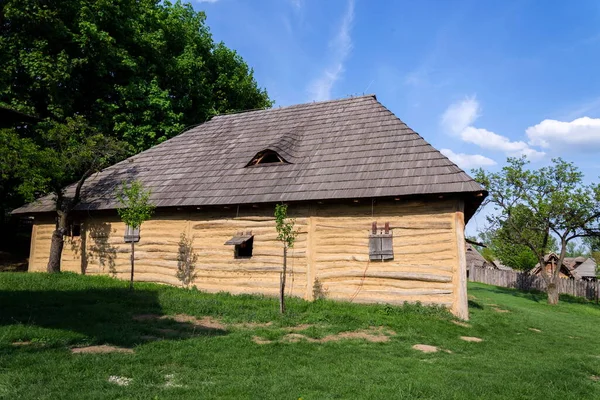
72	153
515	255
287	235
135	209
140	71
533	206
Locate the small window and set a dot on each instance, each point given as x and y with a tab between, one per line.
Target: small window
244	250
381	244
266	157
74	229
243	244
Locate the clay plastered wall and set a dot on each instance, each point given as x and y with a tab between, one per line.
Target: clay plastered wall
103	251
332	246
218	270
425	253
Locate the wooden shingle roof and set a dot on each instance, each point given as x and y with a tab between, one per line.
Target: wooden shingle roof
341	149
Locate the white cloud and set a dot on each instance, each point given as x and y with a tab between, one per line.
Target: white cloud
581	133
468	161
461	114
459	118
492	141
205	1
296	3
341	46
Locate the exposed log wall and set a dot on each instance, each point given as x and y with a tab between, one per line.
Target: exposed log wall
332	246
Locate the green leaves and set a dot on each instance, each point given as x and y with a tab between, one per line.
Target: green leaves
138	71
285	226
135	204
542	210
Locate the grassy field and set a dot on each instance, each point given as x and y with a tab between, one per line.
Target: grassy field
532	351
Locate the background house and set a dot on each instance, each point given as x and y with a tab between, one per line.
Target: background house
581	268
340	165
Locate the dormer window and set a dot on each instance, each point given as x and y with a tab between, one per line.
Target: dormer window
267	157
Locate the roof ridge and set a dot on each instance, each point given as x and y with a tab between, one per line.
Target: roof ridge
257	110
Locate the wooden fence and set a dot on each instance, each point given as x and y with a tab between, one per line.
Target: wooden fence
524	281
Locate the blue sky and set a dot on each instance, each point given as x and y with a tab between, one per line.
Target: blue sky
480	80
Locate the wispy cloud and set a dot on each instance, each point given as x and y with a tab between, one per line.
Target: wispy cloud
341	46
205	1
468	161
296	3
461	114
459	118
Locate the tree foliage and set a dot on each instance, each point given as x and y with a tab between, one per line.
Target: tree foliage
533	206
102	76
287	235
285	226
139	70
71	152
135	206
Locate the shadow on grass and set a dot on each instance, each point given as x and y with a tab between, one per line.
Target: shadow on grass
533	295
474	304
104	316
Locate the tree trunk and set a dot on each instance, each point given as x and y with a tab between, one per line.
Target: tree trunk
553	293
57	243
282	282
132	264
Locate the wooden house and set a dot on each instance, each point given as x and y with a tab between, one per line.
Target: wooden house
380	212
579	268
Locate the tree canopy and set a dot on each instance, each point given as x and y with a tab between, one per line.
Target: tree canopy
104	75
139	70
533	207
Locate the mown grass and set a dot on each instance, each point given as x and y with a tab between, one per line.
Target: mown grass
56	312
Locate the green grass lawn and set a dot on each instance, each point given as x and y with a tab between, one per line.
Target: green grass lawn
171	359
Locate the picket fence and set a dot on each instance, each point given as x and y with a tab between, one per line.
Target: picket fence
524	281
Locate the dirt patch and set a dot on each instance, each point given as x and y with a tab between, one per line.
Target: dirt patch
259	340
471	339
500	310
373	334
595	378
298	328
204	322
460	323
253	325
297	337
145	317
100	349
534	330
23	343
425	348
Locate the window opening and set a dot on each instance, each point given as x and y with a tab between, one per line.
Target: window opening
267	157
243	244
